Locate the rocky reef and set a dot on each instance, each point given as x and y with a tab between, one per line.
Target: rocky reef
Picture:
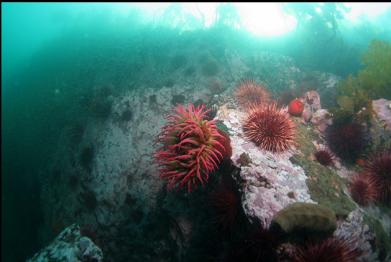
109	183
70	245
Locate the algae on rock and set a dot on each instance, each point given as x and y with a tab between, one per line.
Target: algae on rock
326	187
372	82
382	241
308	217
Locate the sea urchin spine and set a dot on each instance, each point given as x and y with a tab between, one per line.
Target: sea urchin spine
363	189
379	169
324	156
250	93
347	141
270	128
329	250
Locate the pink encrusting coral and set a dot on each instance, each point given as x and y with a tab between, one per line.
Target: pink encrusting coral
192	147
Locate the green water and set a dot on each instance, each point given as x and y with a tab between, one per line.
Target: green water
54	55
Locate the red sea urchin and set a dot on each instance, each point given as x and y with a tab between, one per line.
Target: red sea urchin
363	189
192	147
324	156
329	250
250	93
270	128
379	169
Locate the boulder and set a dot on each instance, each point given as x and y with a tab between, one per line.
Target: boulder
69	245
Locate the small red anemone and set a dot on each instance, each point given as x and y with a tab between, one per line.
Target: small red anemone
296	107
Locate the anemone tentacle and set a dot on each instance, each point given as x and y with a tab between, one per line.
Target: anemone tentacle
192	147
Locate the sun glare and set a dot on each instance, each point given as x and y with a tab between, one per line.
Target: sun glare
261	19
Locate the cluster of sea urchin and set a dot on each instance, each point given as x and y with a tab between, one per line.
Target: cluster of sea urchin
249	93
192	147
270	128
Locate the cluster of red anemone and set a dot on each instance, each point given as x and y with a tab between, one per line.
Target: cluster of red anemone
192	147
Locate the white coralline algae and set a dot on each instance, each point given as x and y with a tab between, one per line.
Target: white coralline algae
69	245
270	182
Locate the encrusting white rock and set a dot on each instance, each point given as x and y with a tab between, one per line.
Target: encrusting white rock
271	182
